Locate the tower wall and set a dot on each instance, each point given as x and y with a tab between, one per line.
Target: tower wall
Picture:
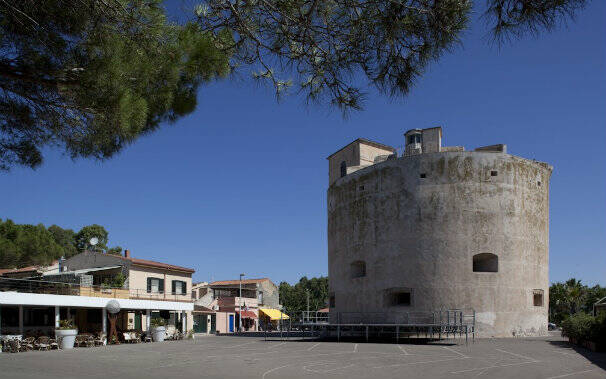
420	235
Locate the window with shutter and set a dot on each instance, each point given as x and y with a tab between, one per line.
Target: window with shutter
149	284
161	286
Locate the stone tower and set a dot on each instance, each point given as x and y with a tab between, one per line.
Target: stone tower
439	228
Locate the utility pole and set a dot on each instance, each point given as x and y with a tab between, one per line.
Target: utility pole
307	291
240	305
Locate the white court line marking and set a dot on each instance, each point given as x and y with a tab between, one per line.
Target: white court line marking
495	366
404	351
247	354
274	369
517	355
572	373
355	348
311	348
418	363
306	368
280	344
242	344
456	352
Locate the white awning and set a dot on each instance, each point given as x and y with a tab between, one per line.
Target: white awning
38	299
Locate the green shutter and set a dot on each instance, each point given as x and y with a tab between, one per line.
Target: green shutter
161	286
184	288
174	289
149	284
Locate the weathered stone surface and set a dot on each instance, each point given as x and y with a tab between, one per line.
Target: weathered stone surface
422	233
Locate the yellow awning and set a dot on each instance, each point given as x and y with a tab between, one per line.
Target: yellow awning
274	314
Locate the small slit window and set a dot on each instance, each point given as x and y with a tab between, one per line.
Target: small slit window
537	298
494	173
423	175
358	269
538	183
361	188
485	262
331	301
343	169
399	297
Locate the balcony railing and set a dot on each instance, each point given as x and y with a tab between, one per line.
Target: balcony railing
61	288
161	296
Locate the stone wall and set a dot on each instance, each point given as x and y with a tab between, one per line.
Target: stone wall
417	223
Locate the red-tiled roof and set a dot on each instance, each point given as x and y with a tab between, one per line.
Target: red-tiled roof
324	310
166	266
248	314
244	281
25	269
200	308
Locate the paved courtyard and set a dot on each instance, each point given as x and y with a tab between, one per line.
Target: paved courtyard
252	357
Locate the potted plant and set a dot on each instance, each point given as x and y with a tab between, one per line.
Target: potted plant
66	334
158	331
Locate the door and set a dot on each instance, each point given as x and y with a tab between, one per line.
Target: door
231	323
200	324
213	323
138	321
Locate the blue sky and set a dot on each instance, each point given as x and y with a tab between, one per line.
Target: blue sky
240	185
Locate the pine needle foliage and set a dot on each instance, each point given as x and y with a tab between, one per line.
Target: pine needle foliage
336	48
92	76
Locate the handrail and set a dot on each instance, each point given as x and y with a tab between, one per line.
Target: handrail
73	289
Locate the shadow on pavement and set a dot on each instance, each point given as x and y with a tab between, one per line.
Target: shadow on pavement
598	359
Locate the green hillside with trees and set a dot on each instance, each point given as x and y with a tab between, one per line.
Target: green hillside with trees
24	245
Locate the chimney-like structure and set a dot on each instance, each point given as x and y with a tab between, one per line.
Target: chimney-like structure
126	253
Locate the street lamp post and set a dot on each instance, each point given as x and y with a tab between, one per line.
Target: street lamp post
240	305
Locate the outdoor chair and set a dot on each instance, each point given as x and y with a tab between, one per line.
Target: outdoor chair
13	345
88	340
136	336
147	337
53	343
126	337
43	343
28	343
100	340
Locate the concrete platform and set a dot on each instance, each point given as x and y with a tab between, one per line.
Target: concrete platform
250	357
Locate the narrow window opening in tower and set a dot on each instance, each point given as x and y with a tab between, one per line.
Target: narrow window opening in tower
361	188
539	183
494	173
402	298
331	301
423	176
485	262
343	169
537	298
358	269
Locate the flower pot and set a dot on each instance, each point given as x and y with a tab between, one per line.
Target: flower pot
158	333
66	337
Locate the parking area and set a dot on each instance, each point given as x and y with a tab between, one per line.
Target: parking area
253	357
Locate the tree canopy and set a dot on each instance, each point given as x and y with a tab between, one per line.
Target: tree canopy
329	44
294	298
92	76
571	297
24	245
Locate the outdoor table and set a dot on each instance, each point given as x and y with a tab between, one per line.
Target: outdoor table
5	337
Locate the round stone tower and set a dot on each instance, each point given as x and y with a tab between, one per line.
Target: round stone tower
439	228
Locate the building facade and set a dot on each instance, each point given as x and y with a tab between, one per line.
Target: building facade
234	300
439	228
83	285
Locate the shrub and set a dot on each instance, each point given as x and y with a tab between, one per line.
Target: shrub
583	326
157	321
66	324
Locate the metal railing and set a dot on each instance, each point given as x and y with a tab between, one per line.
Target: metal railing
440	317
72	289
